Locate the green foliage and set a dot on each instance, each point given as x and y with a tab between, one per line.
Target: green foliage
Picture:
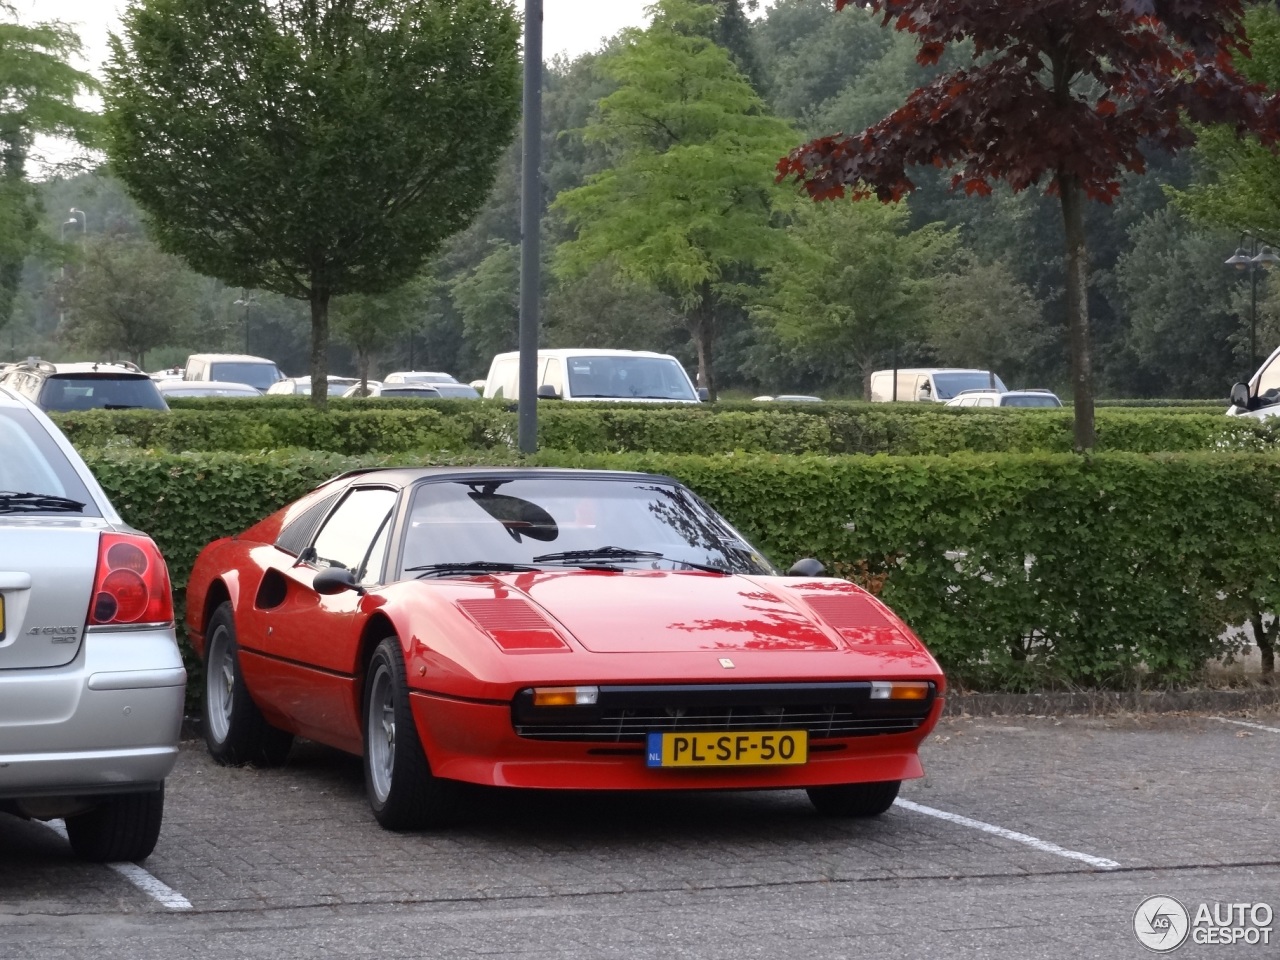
854	285
690	201
1019	571
312	149
38	93
354	427
125	296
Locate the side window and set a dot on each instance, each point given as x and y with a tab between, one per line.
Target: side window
987	402
553	374
1268	390
347	537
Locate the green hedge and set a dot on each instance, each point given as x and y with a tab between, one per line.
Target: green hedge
1019	571
361	427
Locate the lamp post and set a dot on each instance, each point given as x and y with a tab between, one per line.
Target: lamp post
1253	259
246	300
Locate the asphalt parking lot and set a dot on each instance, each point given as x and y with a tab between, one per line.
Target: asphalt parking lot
1030	837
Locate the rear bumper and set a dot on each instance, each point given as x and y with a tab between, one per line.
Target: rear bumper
476	743
107	722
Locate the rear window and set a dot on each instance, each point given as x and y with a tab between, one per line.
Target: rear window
455	390
413	393
100	391
260	375
1044	401
31	462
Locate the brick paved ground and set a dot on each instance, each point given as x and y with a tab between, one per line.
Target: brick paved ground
289	863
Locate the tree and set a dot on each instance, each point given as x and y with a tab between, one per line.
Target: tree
38	90
689	204
313	148
128	297
489	300
1072	92
983	317
371	324
854	285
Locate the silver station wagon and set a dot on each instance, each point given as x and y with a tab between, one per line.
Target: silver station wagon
91	679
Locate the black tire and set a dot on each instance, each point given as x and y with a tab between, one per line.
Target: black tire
403	792
854	799
121	827
235	731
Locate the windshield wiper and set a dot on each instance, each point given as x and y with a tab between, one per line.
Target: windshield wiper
623	554
13	502
465	566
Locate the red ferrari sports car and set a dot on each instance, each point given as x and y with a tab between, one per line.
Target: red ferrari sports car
559	629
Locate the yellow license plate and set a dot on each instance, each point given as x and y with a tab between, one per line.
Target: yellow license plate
777	747
1	616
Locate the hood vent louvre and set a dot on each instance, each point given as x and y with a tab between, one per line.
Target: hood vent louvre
856	618
514	624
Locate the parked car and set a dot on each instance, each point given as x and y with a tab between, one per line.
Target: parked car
92	685
106	385
596	375
788	398
930	384
548	628
419	376
301	386
408	391
1008	398
168	373
234	367
206	388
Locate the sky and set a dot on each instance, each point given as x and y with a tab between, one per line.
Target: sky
568	26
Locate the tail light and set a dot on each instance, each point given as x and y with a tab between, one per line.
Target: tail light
132	582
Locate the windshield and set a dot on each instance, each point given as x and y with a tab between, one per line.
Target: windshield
648	378
260	375
515	521
949	384
31	462
100	391
1027	401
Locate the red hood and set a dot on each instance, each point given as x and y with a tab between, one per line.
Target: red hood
666	612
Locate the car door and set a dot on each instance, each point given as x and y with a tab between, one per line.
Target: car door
312	641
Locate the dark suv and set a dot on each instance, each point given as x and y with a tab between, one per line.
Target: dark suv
108	385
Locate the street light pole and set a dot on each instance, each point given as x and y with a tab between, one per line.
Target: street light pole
1254	259
530	227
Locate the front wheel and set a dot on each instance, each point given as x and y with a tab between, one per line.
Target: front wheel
403	792
854	799
121	827
235	731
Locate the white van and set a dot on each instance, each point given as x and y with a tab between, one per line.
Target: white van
232	368
930	384
583	374
1260	397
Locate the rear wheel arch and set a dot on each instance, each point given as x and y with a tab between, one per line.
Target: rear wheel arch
214	597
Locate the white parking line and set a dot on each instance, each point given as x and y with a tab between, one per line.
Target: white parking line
1044	846
160	892
1241	723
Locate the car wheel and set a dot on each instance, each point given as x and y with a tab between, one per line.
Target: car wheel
403	792
122	827
234	729
854	799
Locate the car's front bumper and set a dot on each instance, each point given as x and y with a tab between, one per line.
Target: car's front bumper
109	721
476	743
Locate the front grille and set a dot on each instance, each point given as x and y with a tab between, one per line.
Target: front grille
629	714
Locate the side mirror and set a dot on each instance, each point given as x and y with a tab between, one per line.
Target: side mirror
1240	395
704	394
808	567
548	392
333	580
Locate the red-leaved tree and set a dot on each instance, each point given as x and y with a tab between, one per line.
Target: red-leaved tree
1069	93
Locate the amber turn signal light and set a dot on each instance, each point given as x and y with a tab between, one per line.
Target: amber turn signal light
565	696
900	689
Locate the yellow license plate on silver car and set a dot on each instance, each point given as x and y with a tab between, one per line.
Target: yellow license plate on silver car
744	749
